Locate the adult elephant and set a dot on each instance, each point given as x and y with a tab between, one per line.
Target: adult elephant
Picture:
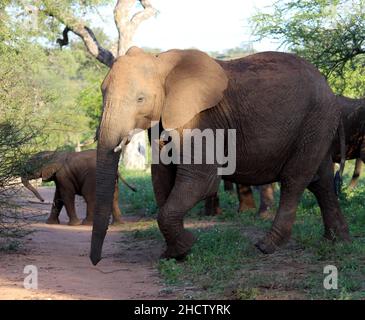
283	112
73	174
353	119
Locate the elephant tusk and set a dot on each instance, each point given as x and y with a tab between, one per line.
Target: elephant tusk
118	148
121	146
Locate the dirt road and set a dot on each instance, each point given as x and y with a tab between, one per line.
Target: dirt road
60	254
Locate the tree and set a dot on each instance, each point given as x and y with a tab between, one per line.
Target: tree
328	33
63	13
19	95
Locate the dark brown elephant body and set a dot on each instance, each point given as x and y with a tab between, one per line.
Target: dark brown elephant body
283	112
353	119
73	174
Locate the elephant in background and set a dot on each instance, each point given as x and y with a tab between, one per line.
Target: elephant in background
245	199
73	174
281	108
356	174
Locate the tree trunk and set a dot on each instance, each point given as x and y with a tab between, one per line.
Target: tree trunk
135	154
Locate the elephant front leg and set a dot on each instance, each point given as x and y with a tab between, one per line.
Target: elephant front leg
189	189
57	206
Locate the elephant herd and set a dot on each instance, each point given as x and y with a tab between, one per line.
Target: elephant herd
289	128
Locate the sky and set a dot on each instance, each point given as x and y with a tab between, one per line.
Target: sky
208	25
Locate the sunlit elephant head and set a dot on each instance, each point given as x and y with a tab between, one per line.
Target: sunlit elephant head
140	88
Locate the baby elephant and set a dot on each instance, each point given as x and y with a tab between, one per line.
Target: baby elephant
73	174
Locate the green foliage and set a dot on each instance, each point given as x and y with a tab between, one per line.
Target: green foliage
233	53
41	107
328	33
171	270
141	202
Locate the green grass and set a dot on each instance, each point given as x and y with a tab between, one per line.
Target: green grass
225	264
141	202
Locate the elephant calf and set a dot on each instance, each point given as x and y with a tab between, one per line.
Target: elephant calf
73	174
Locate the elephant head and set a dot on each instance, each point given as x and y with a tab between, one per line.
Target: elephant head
41	165
173	87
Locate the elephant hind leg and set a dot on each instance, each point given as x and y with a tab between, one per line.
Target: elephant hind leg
90	207
211	207
228	186
334	222
281	229
69	201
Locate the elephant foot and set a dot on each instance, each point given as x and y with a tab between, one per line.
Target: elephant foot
267	245
74	222
181	248
87	222
53	221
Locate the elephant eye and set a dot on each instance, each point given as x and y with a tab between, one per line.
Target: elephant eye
140	99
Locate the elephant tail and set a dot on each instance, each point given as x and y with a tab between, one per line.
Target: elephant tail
339	174
126	183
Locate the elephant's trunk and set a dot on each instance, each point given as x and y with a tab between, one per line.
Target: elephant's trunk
27	184
106	174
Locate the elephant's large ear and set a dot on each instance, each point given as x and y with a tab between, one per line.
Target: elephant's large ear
194	82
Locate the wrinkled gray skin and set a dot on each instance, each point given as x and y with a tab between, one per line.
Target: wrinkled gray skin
73	174
285	117
353	118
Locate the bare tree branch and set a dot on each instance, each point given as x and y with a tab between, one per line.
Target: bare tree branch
78	27
127	27
64	40
141	16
